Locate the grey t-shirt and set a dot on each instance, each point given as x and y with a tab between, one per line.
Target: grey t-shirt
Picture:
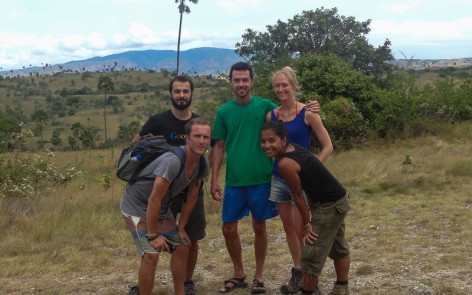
134	199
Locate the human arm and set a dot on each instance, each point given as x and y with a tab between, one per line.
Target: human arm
188	207
158	193
268	115
216	160
289	170
137	137
314	121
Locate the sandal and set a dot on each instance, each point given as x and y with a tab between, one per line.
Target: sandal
232	284
257	287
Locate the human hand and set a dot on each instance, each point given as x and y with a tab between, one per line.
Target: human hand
160	244
313	106
183	236
216	192
309	236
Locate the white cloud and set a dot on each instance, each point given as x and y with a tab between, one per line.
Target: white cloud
238	5
405	6
423	30
119	38
12	40
141	33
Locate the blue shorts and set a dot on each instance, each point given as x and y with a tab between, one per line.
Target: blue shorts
239	200
280	192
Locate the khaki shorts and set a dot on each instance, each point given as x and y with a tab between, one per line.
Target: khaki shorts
328	223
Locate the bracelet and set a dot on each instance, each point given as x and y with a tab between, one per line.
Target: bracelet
307	224
152	237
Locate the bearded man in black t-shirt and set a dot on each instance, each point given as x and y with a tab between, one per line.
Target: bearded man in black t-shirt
171	124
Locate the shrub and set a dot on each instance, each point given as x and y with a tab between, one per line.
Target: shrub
24	175
345	123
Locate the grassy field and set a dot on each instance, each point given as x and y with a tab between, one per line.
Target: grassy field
409	228
26	93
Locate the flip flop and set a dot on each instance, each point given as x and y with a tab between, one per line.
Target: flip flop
235	283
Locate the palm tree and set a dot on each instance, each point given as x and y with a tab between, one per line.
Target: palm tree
106	85
182	8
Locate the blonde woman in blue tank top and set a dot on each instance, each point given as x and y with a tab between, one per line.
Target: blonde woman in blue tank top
300	126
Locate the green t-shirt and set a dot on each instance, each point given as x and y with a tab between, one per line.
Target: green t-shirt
239	125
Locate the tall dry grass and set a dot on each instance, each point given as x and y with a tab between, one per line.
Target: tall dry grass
409	227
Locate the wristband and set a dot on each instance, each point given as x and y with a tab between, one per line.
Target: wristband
152	237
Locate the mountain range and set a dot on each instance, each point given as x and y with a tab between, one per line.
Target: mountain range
202	61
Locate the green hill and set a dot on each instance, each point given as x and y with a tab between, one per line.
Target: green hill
70	98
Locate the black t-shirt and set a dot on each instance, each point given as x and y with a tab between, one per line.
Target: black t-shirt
317	182
168	125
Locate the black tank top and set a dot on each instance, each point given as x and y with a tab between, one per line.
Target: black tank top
316	180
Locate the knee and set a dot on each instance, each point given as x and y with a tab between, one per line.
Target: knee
259	227
289	228
150	258
182	250
229	229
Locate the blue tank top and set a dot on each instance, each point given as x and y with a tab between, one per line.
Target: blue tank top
297	132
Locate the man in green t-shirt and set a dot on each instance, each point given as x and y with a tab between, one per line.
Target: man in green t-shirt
248	173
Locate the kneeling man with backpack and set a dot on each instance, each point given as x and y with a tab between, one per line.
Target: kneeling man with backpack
145	205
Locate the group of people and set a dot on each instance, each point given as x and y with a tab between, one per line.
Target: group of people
269	172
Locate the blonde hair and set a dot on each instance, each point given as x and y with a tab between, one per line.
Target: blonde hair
288	73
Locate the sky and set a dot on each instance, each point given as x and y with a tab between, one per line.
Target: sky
36	32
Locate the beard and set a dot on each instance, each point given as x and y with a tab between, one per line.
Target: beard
181	106
241	92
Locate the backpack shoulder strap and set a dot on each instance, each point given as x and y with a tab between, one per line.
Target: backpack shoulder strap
180	153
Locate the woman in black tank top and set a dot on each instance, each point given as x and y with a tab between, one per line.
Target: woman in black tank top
328	204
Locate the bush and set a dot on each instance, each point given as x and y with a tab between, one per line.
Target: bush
345	123
23	176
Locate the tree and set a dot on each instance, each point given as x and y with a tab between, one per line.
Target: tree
327	76
8	125
17	113
40	117
116	104
56	137
73	143
76	131
127	132
106	85
84	134
319	31
56	106
182	8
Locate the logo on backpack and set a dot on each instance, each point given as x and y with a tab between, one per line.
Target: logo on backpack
139	154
